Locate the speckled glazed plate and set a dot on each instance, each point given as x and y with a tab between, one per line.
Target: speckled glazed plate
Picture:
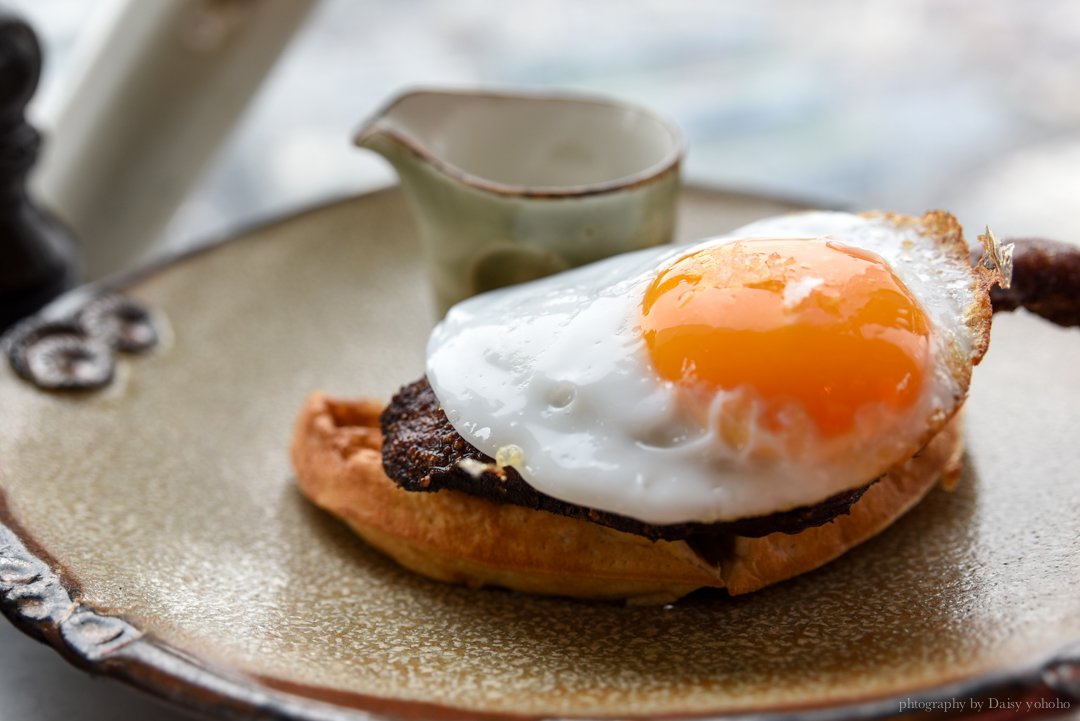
153	532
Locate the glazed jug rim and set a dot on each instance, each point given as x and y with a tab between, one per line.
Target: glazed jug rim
668	164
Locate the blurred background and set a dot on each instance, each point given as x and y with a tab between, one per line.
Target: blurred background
972	106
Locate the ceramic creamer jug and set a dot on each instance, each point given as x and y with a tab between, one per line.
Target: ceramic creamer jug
510	187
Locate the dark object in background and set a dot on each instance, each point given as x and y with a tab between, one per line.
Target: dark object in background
1045	281
37	254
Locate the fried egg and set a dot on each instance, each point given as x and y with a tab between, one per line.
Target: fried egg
752	373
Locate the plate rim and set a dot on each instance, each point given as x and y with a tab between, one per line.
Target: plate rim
41	600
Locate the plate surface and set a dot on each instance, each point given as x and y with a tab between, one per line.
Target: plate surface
176	553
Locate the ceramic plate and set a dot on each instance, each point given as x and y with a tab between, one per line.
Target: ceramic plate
154	534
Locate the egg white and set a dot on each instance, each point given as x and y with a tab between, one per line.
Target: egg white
554	378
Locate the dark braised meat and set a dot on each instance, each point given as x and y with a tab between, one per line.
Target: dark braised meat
1045	281
423	452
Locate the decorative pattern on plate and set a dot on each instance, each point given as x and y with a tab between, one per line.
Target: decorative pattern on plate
79	353
33	594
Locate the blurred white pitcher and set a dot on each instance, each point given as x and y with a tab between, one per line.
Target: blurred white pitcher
510	187
158	88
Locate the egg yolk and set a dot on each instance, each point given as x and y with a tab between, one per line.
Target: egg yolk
805	321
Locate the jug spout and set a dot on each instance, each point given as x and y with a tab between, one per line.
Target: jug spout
508	187
406	130
375	137
380	135
411	133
